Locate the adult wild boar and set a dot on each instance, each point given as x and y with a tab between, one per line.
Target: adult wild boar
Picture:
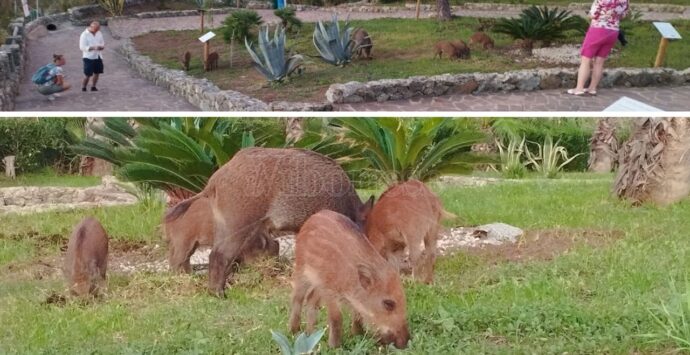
408	215
263	191
483	39
195	229
87	258
335	264
363	43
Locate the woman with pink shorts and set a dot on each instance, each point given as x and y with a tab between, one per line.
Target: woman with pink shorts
606	16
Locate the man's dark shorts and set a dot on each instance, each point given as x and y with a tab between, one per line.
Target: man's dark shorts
93	66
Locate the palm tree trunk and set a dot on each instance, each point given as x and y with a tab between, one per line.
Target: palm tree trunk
655	162
294	130
90	166
443	10
603	147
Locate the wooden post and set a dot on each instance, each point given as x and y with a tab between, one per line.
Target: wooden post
202	20
661	54
8	161
207	49
419	5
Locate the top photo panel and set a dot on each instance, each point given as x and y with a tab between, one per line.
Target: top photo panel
335	55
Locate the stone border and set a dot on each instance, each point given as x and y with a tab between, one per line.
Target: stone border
474	83
202	92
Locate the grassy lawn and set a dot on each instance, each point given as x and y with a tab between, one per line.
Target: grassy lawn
49	177
402	48
593	297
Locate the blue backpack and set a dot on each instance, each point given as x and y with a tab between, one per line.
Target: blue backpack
42	75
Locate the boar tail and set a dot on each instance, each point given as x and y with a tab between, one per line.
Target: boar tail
180	209
447	215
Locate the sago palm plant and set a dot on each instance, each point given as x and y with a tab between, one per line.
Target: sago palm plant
399	149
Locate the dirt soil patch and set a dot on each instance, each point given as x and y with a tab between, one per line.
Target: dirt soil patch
545	244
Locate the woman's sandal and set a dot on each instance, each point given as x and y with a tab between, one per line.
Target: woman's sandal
590	92
575	92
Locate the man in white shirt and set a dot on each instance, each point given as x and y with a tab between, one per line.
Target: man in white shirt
91	44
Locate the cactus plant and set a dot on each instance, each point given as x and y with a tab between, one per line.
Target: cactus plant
335	46
272	62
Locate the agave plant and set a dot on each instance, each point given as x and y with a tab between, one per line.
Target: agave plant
512	165
272	61
399	149
334	44
549	155
304	344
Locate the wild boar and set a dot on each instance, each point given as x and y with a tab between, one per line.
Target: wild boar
461	48
483	39
185	58
263	191
407	215
336	265
87	258
363	43
212	61
447	48
196	229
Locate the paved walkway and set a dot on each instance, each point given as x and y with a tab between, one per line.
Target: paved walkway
123	90
665	98
120	89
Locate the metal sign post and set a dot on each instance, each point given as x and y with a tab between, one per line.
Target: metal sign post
668	33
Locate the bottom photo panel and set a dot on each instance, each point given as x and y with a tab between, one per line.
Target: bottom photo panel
344	235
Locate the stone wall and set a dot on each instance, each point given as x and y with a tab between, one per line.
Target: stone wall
202	92
473	83
32	199
12	54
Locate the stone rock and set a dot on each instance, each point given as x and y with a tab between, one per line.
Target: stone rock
550	82
498	233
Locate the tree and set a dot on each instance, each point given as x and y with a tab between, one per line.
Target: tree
90	166
655	162
603	147
443	10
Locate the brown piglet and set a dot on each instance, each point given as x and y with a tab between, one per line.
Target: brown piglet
447	48
212	61
262	192
196	229
461	48
407	215
87	258
483	39
335	265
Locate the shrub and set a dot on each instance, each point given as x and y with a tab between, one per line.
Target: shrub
38	143
673	320
271	60
114	7
540	24
240	24
288	18
399	149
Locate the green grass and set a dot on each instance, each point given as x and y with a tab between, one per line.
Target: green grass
49	177
589	300
402	48
555	2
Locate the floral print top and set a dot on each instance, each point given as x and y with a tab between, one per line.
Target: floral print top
608	13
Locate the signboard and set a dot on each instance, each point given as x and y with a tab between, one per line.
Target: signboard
205	38
25	7
626	104
667	31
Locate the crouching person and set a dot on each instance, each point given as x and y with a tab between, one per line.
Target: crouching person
53	77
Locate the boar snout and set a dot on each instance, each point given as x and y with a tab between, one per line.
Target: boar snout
399	339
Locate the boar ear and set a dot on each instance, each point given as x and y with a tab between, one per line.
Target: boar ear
366	276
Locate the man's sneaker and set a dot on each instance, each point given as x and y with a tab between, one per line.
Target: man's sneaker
93	88
83	89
